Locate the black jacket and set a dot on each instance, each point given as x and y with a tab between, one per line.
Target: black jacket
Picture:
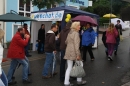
41	35
50	42
104	39
119	28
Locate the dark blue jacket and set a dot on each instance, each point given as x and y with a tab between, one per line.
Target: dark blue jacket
88	37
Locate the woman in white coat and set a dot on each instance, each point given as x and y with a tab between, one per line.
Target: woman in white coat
3	78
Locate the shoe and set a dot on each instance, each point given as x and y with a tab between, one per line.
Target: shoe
13	77
27	81
110	57
29	55
115	53
69	85
46	77
29	74
55	73
81	83
92	59
12	83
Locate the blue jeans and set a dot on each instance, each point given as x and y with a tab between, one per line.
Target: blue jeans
62	66
3	79
13	66
48	64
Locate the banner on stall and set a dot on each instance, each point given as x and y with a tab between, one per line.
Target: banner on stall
48	16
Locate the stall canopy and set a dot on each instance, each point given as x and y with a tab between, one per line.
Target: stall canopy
68	9
71	10
63	10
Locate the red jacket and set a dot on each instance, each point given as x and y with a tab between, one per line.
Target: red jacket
16	48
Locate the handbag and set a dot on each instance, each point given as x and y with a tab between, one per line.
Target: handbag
77	70
121	38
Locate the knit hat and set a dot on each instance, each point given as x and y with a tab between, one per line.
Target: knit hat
1	34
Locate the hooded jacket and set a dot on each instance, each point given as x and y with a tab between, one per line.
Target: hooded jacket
50	42
63	36
88	37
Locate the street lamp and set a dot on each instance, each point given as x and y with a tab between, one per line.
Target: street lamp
111	11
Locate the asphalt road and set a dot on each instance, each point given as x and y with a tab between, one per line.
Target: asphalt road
100	72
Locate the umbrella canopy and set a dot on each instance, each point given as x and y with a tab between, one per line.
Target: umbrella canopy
85	19
109	15
11	17
114	21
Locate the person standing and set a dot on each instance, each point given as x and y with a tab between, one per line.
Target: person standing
111	35
118	26
62	39
73	53
88	40
41	39
16	52
104	42
3	78
49	51
27	47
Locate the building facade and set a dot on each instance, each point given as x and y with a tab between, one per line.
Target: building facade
25	10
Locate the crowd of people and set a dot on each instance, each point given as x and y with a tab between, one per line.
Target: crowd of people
64	45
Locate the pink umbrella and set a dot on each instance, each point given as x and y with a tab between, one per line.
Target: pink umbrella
85	19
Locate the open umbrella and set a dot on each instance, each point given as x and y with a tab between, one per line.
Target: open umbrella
109	16
84	19
13	17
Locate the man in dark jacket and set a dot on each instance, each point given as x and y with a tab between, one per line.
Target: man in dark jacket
62	39
119	29
41	39
49	50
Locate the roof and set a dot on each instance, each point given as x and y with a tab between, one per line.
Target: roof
68	9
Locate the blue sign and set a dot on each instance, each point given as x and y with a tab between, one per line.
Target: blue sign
77	1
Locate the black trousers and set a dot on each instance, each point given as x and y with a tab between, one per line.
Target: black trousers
89	49
62	66
40	46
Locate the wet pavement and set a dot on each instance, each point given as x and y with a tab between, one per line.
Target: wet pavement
100	72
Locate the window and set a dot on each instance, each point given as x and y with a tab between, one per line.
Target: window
25	9
15	29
